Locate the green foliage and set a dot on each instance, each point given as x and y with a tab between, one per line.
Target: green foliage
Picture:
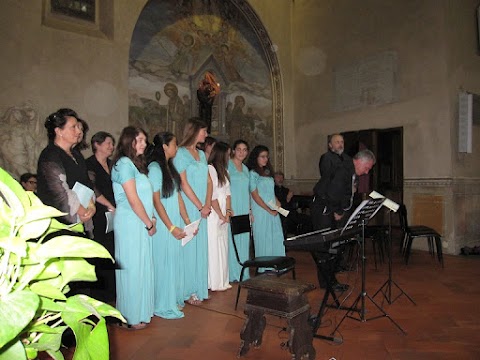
34	276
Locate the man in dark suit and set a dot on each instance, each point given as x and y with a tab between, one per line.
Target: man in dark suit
333	194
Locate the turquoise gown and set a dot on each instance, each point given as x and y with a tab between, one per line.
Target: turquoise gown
133	246
267	229
195	252
167	259
240	200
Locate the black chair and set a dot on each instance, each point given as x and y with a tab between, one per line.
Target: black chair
277	265
379	236
418	231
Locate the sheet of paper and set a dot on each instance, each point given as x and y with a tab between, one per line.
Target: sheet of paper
190	230
84	193
390	204
376	195
109	225
280	210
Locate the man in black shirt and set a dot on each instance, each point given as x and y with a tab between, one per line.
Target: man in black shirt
333	196
334	191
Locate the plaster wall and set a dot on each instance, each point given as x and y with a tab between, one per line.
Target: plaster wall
347	31
279	27
51	68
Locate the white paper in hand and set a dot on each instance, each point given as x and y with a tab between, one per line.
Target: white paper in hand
280	210
84	193
190	230
109	225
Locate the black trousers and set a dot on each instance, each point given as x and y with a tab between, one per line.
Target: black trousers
327	265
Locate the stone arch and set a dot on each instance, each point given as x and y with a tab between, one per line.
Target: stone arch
162	111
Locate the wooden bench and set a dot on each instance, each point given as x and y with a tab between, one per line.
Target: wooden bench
280	297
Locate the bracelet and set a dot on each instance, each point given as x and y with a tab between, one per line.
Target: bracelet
200	209
149	228
229	210
172	228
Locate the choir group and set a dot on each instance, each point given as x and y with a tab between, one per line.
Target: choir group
154	190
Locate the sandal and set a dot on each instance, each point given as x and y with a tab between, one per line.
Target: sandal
194	300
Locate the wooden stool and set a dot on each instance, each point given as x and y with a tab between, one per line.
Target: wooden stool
280	297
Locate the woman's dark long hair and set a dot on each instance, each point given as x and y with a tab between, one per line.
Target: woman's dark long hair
155	152
126	147
252	162
219	159
191	130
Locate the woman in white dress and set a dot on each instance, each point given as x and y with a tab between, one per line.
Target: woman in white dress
219	218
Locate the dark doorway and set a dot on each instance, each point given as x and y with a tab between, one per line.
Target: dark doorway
386	176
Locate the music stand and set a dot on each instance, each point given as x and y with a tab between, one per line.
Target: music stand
364	212
386	288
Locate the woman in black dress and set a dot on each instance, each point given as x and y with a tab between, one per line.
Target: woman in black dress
59	168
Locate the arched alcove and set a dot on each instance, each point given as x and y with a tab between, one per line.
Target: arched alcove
175	42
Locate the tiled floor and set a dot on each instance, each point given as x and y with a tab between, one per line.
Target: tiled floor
444	323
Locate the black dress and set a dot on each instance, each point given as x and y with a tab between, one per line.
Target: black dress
104	288
57	173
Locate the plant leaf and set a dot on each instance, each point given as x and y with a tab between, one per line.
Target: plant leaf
17	309
39	212
56	355
49	341
6	218
100	308
46	290
14	244
15	351
76	270
33	229
13	194
47	304
92	341
43	328
72	246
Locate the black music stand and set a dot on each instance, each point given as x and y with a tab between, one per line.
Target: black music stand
364	212
386	288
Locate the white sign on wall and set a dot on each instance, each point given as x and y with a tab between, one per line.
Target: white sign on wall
465	116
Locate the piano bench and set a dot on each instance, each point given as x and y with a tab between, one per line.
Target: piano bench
280	297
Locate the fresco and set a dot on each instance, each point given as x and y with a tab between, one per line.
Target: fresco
174	44
22	138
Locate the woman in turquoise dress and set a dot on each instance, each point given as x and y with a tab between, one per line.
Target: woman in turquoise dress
267	228
240	199
167	245
196	188
134	226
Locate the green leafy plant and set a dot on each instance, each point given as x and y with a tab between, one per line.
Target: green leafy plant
34	278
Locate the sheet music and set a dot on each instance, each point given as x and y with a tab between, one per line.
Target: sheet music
84	193
365	211
109	226
280	210
190	230
390	204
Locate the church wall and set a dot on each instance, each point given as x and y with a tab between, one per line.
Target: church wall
348	33
44	68
279	27
432	45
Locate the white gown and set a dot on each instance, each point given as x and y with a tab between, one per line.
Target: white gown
218	279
